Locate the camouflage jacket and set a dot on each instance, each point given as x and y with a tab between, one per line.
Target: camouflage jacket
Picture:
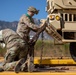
25	25
10	37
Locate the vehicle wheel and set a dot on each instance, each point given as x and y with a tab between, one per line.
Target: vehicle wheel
73	50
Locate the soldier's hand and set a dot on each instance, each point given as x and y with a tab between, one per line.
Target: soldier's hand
31	43
43	22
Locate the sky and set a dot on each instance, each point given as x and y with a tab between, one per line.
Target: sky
12	10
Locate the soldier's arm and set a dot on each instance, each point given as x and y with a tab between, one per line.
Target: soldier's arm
34	39
31	25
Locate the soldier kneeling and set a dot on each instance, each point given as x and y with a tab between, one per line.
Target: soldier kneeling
17	50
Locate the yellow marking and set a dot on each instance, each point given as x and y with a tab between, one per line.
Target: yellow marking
37	73
54	61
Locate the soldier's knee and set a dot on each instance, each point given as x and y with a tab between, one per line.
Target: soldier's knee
9	57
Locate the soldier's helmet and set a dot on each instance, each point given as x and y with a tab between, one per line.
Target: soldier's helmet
33	10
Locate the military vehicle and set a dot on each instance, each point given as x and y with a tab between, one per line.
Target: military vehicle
62	22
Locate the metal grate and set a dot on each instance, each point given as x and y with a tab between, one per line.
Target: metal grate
69	17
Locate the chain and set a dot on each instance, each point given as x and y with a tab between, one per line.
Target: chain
42	37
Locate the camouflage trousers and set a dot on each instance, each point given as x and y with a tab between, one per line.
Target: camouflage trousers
13	54
7	66
10	66
13	66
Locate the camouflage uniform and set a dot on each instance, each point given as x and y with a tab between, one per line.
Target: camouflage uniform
26	24
16	48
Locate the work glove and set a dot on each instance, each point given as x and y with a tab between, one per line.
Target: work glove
43	22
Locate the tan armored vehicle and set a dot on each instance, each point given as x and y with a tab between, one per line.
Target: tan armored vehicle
62	22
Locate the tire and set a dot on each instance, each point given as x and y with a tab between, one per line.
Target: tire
73	50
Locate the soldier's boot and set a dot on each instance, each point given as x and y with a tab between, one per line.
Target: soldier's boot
19	64
1	69
9	66
28	65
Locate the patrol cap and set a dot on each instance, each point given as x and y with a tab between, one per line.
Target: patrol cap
33	10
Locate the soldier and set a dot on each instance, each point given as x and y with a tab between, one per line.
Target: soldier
16	47
26	24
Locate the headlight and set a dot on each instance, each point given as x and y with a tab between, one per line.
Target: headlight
57	18
52	17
